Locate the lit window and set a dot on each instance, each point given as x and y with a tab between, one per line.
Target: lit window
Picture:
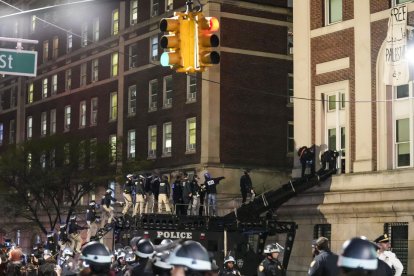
83	74
95	29
112	147
115	22
168	91
69	41
131	143
54	84
113	112
43	160
132	100
30	93
167	139
1	134
94	111
191	135
134	12
152	141
114	64
154	48
154	7
82	114
402	142
68	79
95	70
53	121
84	34
55	50
153	94
12	131
290	138
45	50
333	11
67	118
43	124
29	127
191	88
44	89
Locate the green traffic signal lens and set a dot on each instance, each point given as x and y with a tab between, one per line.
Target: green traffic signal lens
165	59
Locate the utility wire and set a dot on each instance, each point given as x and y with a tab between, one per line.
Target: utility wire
219	83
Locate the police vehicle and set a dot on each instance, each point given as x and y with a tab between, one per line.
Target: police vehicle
243	232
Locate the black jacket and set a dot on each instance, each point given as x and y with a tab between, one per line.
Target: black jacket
106	200
177	191
246	184
212	183
324	264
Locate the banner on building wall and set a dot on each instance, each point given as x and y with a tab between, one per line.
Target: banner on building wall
396	70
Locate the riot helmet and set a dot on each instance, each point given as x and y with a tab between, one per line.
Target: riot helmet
190	254
358	254
229	259
160	260
145	249
67	252
166	241
92	203
271	248
129	175
108	191
134	242
97	257
130	257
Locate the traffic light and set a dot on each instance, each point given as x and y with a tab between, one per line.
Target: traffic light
179	42
206	27
171	42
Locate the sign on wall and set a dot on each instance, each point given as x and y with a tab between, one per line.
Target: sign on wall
396	64
18	62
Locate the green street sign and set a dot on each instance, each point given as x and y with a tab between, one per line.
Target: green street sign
18	62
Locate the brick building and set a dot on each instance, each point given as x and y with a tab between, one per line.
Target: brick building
99	78
343	103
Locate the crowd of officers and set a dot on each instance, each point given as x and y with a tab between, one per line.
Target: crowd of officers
140	257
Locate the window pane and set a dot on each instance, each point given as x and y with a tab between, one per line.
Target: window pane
332	139
403	154
343	140
402	91
335	11
403	130
332	102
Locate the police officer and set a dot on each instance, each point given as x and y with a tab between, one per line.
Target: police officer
63	238
139	195
358	257
108	210
92	220
97	257
195	204
187	194
229	268
307	158
128	193
384	253
74	235
246	186
164	195
271	266
325	261
190	258
49	267
67	262
145	251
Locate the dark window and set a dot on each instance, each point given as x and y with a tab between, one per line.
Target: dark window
322	230
398	231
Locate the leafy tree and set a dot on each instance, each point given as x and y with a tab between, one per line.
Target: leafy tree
46	179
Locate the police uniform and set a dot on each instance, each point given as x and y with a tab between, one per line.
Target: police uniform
139	196
270	267
128	194
389	257
324	264
74	236
229	272
91	220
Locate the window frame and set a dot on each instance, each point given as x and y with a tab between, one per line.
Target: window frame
113	106
154	45
167	136
191	147
115	22
43	124
52	121
133	11
132	101
95	29
82	114
68	79
45	52
44	88
328	13
54	87
29	127
12	131
84	34
168	94
155	8
55	50
131	144
94	111
152	105
67	118
152	141
95	70
69	41
30	91
191	95
398	143
112	148
83	74
114	64
169	5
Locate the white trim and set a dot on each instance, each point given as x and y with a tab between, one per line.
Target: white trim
333	65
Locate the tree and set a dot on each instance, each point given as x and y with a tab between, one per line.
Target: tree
45	179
